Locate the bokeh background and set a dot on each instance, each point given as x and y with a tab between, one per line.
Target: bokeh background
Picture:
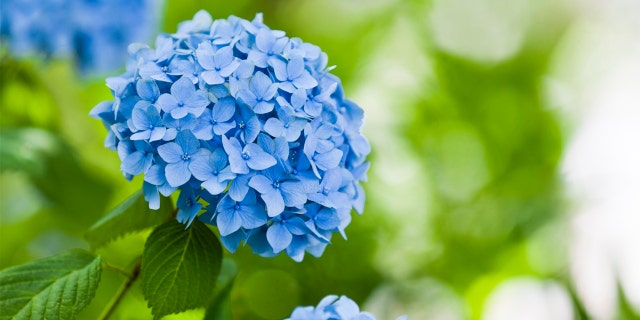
505	171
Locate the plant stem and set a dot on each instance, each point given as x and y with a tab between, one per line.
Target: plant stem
114	268
123	290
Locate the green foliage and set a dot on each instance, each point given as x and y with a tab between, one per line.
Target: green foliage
25	149
129	216
180	267
57	287
220	307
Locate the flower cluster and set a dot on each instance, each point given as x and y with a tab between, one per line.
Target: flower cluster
94	32
249	125
333	308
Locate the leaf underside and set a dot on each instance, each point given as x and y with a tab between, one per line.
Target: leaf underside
56	287
180	267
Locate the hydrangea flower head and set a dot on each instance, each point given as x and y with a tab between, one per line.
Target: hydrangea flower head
95	33
249	126
333	308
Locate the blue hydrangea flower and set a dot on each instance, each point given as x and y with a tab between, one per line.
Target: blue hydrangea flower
95	33
249	126
333	308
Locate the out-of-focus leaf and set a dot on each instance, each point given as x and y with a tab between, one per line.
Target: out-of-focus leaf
220	308
68	185
56	287
26	149
180	267
129	216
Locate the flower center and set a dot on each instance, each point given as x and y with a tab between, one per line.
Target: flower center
276	185
186	157
245	155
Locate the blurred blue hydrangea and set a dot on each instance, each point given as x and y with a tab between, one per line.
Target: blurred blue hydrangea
95	33
333	308
248	123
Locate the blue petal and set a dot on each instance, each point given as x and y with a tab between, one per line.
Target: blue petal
232	241
295	67
261	184
252	129
239	187
205	53
332	180
140	119
258	159
167	102
221	128
274	127
212	77
279	69
305	81
248	97
328	160
187	142
219	159
265	40
177	173
293	193
141	135
233	148
223	57
279	237
327	219
263	107
260	84
151	195
273	200
224	109
179	112
147	89
157	133
136	163
201	169
253	216
155	175
214	186
182	89
228	222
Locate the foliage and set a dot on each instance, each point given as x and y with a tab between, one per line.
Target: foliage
131	215
57	287
180	267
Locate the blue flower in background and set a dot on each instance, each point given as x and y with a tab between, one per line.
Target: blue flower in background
94	33
249	126
333	308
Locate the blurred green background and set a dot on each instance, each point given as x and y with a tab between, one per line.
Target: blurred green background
465	199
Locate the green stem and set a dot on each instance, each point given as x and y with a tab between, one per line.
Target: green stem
122	292
114	268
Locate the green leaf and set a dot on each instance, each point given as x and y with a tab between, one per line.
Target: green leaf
180	267
56	287
129	216
220	307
